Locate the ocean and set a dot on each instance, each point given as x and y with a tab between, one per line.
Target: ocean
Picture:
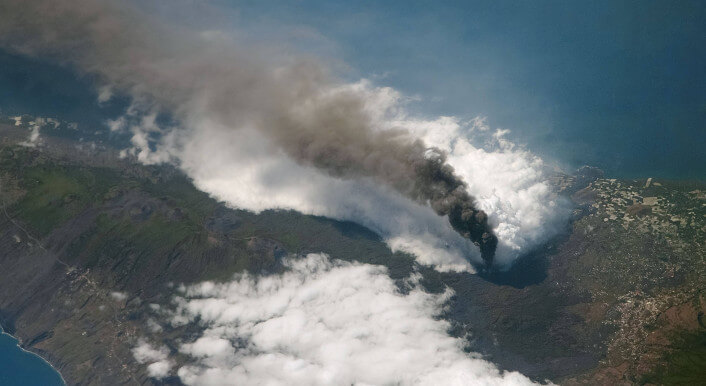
19	367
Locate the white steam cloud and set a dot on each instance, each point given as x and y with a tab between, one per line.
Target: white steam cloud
258	132
509	183
245	170
261	131
323	322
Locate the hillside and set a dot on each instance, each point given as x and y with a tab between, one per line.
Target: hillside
90	244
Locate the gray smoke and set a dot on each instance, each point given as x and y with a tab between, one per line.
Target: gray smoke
166	68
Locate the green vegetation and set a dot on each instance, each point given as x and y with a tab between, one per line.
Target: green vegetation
137	222
685	365
179	190
139	230
55	194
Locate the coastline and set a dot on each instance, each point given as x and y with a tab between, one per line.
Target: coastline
19	346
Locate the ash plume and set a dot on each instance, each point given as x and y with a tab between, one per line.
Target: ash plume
299	106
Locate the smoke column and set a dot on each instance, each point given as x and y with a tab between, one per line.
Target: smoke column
165	68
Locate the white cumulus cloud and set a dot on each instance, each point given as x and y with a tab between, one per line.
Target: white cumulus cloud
322	322
158	365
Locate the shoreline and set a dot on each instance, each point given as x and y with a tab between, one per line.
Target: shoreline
18	344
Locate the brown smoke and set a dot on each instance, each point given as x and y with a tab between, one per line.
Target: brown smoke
298	106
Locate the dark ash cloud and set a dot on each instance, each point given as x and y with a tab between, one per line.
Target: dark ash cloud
296	103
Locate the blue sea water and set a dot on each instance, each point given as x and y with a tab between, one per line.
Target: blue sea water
618	85
19	367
